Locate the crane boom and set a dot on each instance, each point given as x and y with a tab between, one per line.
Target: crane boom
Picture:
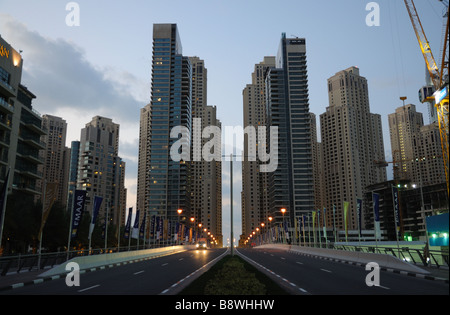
424	44
439	79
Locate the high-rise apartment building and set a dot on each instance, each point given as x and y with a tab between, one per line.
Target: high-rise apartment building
56	155
20	127
164	182
206	176
352	142
254	183
101	172
416	148
404	124
290	186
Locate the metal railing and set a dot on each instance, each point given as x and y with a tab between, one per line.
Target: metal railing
32	262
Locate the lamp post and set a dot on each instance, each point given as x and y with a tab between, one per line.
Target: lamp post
179	211
283	210
270	231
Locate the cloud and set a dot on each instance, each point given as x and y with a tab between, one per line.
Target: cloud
57	71
68	86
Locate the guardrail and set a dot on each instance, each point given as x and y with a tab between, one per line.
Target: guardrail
32	262
416	255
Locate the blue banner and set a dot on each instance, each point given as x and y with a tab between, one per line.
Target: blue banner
142	229
78	209
126	234
97	204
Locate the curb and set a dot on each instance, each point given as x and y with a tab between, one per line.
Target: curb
82	271
407	273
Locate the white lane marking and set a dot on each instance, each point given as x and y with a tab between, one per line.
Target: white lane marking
94	286
136	273
193	273
325	270
181	259
275	274
283	258
300	263
165	264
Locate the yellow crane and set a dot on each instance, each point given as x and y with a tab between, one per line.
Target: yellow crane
438	75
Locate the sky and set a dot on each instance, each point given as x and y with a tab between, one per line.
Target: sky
103	65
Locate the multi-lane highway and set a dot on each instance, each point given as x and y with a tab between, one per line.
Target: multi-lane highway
308	275
163	275
298	274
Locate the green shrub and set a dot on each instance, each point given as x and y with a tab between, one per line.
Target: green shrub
234	279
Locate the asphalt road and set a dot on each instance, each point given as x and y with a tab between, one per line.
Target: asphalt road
164	275
308	275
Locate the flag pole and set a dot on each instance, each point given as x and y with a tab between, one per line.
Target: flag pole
42	218
3	211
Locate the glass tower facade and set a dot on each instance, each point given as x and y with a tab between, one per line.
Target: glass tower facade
291	185
167	187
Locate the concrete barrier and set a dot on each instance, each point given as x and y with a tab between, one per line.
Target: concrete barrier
94	261
383	260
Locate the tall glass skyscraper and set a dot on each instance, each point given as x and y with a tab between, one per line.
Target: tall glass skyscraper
163	183
291	185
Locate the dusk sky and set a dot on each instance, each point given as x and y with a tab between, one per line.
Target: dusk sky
103	66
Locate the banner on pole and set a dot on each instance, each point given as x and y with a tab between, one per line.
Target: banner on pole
96	209
126	234
78	209
359	214
346	219
51	191
376	215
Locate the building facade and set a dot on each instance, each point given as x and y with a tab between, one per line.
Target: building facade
290	186
56	155
101	172
351	143
164	182
20	127
254	197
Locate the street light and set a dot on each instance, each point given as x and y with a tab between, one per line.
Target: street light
283	210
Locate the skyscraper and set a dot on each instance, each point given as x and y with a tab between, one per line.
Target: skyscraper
56	155
416	148
352	141
404	124
101	172
290	186
164	182
254	183
206	176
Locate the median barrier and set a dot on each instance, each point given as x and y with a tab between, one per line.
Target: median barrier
94	261
383	260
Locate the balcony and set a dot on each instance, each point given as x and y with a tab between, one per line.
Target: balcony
5	107
7	89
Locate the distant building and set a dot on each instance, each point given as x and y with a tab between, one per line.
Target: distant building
255	207
56	155
101	172
417	150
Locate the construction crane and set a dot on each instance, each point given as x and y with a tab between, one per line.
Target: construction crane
438	76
